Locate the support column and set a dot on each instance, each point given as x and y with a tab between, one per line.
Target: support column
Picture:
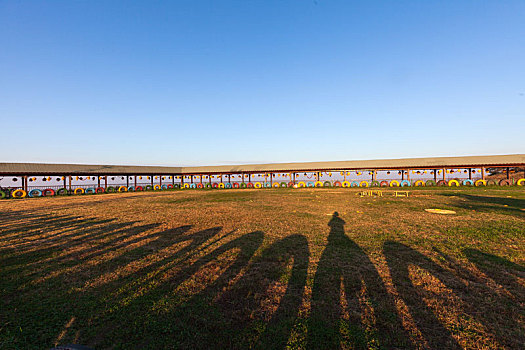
229	178
127	180
402	175
435	175
65	181
24	183
444	174
160	180
271	178
98	180
470	173
151	177
105	182
408	174
508	173
483	173
70	182
373	175
294	178
249	177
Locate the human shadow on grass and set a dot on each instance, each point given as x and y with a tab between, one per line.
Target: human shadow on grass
399	258
345	269
269	273
514	206
55	248
187	323
61	296
237	307
494	298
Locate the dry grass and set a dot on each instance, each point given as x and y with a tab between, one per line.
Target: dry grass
276	268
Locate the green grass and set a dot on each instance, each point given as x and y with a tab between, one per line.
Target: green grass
277	268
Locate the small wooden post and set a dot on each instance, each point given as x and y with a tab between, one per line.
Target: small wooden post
135	181
127	180
24	183
508	173
483	173
152	180
444	174
408	174
105	182
470	173
160	179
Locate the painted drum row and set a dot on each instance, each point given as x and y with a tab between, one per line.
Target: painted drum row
19	193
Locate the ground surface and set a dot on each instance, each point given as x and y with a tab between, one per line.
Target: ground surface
276	268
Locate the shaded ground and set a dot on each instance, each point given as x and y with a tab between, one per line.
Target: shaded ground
275	268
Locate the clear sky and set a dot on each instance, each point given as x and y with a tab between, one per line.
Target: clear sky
242	81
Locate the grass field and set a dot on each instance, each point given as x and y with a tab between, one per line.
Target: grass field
277	268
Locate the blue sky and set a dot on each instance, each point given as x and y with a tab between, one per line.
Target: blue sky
222	82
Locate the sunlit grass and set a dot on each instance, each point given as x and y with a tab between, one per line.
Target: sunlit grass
265	269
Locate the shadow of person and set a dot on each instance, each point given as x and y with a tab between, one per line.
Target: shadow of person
494	297
345	275
399	259
502	271
252	295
